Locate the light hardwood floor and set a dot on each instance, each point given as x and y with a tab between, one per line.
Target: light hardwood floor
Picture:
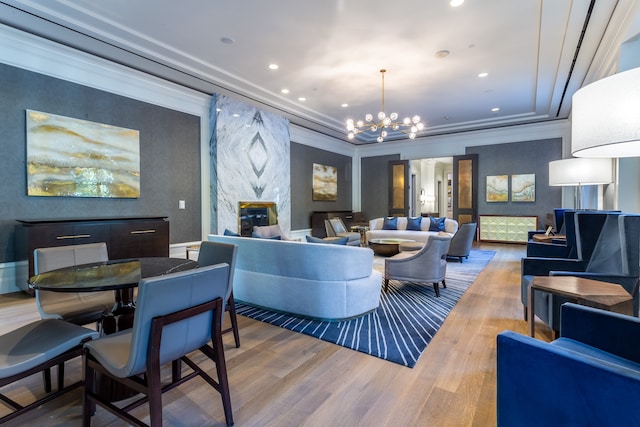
282	378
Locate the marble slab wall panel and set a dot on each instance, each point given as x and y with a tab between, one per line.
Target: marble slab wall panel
251	148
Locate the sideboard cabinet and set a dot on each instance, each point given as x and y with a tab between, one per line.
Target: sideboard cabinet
504	228
127	237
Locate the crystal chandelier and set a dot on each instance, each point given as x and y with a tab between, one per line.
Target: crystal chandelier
408	126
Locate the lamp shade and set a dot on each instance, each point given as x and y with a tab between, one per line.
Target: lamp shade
580	171
605	121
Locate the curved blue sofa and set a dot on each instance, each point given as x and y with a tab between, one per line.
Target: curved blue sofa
320	281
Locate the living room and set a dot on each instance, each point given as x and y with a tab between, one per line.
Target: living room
452	385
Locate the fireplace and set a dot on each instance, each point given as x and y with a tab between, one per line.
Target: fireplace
251	214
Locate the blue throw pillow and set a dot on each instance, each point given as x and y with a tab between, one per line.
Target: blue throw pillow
333	241
228	232
414	223
437	224
390	223
262	237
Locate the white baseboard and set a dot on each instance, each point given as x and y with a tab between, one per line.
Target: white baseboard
9	272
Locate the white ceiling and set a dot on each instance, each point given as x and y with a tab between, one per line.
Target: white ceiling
331	51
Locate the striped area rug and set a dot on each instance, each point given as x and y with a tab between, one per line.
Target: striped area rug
407	319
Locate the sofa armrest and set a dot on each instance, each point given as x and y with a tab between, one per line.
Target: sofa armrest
611	332
539	384
532	266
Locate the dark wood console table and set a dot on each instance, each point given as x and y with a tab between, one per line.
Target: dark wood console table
318	217
126	237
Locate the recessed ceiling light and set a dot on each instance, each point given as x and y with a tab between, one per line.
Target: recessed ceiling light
273	66
344	105
442	53
456	3
481	75
236	115
285	91
227	40
495	109
302	99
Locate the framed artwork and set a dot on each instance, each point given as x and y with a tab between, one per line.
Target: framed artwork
497	188
325	182
77	158
523	188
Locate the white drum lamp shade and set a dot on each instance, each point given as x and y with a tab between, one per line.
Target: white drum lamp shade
605	121
580	171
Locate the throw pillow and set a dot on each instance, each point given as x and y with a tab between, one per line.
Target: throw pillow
414	223
437	224
331	241
390	223
228	232
263	237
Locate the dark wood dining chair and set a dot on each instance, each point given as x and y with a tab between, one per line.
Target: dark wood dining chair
34	348
176	314
212	253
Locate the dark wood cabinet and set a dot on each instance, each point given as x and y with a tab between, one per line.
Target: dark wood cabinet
128	237
317	221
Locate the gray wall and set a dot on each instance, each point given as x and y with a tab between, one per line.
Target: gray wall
520	158
375	185
302	205
169	156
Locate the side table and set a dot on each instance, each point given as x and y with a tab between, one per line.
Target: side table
592	293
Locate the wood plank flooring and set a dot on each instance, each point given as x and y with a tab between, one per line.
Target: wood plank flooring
282	378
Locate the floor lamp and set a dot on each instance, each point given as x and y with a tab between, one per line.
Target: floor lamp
578	172
605	121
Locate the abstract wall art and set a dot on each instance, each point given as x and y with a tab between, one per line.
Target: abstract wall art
325	182
497	188
523	188
78	158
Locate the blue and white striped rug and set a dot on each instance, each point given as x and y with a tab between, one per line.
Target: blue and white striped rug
407	319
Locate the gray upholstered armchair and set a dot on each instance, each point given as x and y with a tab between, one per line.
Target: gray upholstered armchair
428	264
462	241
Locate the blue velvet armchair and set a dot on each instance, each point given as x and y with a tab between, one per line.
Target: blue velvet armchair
614	258
565	248
590	376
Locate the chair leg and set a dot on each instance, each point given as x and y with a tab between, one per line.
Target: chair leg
61	376
46	379
221	370
231	307
526	312
437	289
444	284
155	396
88	406
386	284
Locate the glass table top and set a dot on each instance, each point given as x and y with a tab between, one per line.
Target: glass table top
109	275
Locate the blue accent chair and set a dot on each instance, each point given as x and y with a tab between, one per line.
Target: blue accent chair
590	376
565	248
613	258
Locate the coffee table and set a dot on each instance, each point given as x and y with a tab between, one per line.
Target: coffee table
386	247
592	293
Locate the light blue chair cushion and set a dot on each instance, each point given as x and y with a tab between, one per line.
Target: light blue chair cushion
35	343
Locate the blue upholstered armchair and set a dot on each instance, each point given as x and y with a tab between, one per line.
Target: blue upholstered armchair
614	258
590	376
565	248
